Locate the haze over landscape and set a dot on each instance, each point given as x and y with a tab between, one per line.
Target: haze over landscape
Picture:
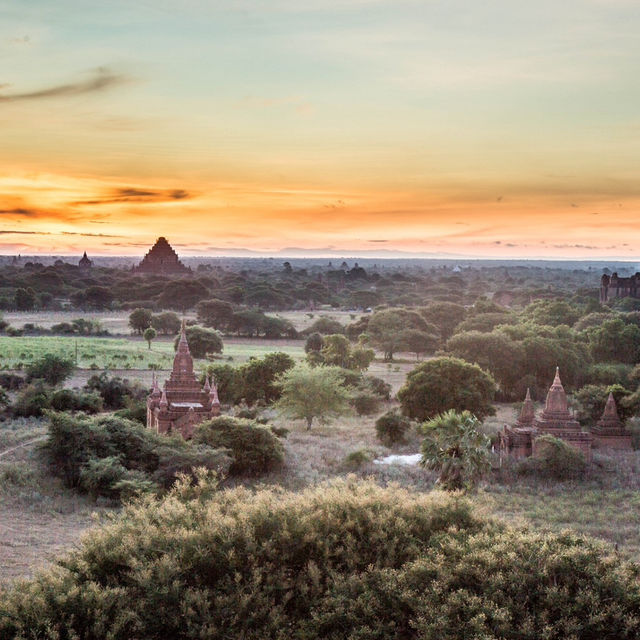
368	127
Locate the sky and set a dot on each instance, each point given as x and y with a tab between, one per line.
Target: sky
502	128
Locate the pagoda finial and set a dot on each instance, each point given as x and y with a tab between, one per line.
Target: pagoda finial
556	381
164	403
207	385
183	345
610	409
213	393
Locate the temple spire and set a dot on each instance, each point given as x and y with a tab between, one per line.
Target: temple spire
163	401
610	409
527	413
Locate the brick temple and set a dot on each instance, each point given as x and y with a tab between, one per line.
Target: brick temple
609	431
161	258
183	403
519	440
613	286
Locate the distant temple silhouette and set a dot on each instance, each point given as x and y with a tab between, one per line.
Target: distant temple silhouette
161	258
84	262
613	286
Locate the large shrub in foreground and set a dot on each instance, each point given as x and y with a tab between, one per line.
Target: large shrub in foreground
254	447
51	368
345	560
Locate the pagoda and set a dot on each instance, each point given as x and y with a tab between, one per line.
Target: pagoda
183	403
84	263
609	431
519	441
161	258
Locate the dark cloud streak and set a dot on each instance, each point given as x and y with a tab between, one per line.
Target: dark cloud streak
103	78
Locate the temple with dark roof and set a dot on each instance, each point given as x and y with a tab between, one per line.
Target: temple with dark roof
183	403
161	258
613	286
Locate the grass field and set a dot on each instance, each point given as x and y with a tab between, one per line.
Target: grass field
128	353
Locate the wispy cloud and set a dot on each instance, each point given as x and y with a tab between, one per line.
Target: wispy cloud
20	211
136	195
101	79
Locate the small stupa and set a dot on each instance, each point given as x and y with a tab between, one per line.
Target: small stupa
609	431
556	415
161	258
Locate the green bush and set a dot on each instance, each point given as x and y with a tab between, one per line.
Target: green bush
69	400
115	391
254	447
32	401
356	459
392	427
345	560
51	368
365	403
84	450
555	459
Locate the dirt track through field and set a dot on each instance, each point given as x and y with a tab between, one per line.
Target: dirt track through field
20	446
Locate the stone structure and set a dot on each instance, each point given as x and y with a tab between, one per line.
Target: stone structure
183	403
612	287
610	432
84	262
161	258
519	441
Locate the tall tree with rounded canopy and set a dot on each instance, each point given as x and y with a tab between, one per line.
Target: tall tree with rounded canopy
312	392
441	384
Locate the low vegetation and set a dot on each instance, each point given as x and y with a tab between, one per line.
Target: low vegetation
343	560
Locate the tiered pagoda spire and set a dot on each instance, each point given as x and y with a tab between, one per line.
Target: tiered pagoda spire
161	258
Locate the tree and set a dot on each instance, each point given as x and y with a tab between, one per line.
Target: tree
494	352
454	447
336	351
314	342
552	312
51	368
386	329
149	334
444	315
201	341
419	342
214	313
168	323
259	377
182	294
310	393
615	341
25	299
325	326
140	319
440	384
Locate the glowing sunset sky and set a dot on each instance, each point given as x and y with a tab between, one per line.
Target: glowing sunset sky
503	128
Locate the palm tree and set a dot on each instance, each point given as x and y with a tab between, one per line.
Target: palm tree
455	448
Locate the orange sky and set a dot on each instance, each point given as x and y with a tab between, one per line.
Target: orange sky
439	128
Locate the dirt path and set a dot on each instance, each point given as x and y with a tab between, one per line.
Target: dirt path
21	445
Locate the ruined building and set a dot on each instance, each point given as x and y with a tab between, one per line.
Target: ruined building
161	258
519	441
183	403
612	287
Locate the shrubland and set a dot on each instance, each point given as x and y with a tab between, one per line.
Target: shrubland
344	560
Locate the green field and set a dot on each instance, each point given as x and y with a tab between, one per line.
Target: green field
122	353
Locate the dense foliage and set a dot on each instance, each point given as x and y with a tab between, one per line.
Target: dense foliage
447	383
346	560
454	447
254	448
99	454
